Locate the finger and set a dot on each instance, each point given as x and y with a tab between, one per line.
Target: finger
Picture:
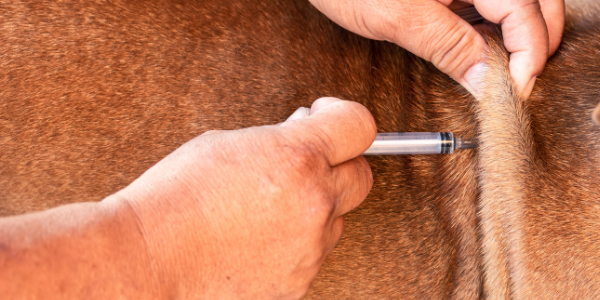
340	130
303	112
449	42
322	102
432	31
554	15
352	182
596	115
553	12
525	37
332	239
300	113
211	132
426	28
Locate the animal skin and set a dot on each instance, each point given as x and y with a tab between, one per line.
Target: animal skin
93	93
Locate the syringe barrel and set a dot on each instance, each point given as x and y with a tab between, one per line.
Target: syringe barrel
412	143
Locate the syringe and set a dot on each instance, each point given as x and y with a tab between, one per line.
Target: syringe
394	143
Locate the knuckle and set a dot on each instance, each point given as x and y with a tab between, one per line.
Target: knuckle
304	160
298	293
299	289
320	207
366	175
533	4
314	145
451	52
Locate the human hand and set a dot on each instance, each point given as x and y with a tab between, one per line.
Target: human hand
532	30
252	213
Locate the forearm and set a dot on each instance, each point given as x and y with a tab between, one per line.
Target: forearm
85	250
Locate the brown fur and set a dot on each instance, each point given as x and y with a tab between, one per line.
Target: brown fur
539	174
95	92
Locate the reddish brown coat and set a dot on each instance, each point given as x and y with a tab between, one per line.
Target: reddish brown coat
95	92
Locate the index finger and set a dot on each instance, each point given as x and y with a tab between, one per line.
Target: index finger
338	129
525	37
554	15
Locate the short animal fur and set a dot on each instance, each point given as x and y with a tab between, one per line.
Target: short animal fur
92	93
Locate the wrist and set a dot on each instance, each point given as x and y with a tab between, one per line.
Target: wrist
172	237
148	278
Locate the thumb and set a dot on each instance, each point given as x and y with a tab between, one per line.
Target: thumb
426	28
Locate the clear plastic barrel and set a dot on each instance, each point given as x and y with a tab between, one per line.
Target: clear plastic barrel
412	143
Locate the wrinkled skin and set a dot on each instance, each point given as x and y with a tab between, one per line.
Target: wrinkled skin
266	202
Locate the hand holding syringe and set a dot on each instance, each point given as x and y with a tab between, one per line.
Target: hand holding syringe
395	143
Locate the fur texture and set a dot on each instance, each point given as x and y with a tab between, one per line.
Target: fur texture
539	174
95	92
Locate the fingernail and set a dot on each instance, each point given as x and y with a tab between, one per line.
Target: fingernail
474	78
528	88
300	113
